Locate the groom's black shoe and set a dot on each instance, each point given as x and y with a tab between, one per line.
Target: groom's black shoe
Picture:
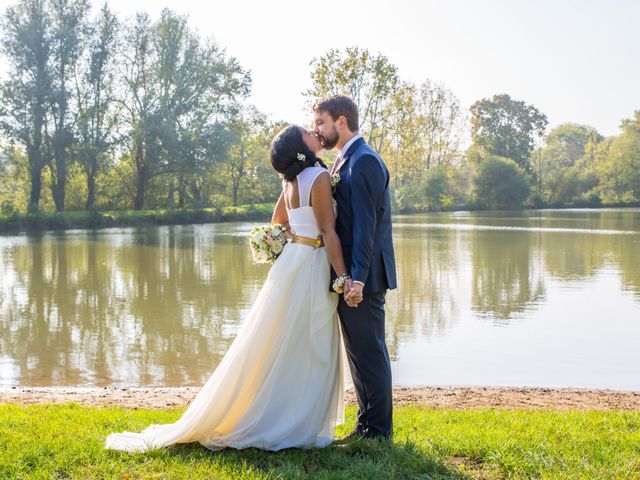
353	435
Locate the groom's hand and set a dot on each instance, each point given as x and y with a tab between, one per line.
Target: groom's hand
353	295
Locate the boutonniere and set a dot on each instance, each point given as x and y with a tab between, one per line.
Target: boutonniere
335	180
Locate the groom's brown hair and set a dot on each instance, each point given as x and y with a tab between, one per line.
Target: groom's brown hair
339	106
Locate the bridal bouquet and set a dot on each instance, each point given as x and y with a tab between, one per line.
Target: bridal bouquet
267	242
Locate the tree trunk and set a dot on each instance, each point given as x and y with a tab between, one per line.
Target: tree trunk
59	184
196	191
235	187
36	188
58	194
36	162
138	201
170	195
91	191
141	177
181	191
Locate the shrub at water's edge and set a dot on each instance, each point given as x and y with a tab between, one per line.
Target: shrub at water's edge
40	221
96	219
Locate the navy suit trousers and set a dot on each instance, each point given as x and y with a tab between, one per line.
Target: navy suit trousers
364	336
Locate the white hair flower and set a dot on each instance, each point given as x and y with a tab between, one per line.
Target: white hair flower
301	157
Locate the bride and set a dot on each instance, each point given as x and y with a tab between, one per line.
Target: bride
280	384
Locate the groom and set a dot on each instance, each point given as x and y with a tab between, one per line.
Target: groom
363	224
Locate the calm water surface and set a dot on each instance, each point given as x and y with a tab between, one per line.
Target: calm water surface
535	298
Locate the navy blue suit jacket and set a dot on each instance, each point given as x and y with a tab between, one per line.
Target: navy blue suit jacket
363	222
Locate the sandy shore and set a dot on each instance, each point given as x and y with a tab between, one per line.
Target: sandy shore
430	397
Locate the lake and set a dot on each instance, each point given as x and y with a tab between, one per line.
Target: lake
535	298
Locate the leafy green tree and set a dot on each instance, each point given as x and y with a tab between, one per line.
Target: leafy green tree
560	171
443	124
262	184
507	127
245	168
500	183
405	149
369	79
619	170
436	188
14	180
139	100
425	131
177	89
68	31
97	120
26	44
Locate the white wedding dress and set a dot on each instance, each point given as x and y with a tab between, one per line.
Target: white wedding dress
280	384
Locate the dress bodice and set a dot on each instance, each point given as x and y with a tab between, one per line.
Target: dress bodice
302	219
302	222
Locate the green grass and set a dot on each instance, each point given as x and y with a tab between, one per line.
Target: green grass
66	441
99	219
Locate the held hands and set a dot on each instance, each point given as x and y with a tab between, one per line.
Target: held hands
352	293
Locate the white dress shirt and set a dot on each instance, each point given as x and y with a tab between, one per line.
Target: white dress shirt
347	145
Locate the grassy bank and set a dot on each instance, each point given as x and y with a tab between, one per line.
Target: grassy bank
65	441
97	219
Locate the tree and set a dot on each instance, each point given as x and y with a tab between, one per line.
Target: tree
443	121
368	79
141	104
14	180
607	169
436	188
560	171
245	167
500	183
406	150
68	29
425	125
83	99
27	45
507	127
97	121
176	90
619	169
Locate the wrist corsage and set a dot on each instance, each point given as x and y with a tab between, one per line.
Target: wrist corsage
339	283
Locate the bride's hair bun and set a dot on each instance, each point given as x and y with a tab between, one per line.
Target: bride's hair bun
290	155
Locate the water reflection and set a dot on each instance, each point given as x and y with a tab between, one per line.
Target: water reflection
137	306
507	275
160	306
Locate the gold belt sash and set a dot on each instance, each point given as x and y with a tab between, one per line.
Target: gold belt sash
312	242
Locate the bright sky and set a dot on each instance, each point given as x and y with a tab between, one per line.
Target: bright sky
575	60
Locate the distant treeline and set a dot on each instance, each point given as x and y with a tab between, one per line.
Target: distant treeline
108	114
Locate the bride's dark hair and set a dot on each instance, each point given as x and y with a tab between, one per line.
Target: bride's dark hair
286	150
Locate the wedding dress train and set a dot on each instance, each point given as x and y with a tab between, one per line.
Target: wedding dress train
281	382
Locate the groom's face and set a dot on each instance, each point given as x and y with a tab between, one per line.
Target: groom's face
326	130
